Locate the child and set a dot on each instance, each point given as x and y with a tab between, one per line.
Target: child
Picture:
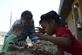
10	42
52	24
27	21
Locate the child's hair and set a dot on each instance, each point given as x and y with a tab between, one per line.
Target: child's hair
52	15
17	26
27	14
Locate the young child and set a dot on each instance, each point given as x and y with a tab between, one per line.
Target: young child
27	21
52	24
10	42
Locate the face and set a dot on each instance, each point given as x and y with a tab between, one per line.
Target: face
18	32
48	27
26	23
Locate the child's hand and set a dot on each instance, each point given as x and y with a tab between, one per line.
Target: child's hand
26	46
21	48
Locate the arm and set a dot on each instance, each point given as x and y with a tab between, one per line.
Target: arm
14	46
12	42
59	52
62	41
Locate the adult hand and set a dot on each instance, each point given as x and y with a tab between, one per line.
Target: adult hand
39	29
42	36
38	34
39	46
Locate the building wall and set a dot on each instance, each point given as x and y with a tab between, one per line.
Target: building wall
80	6
71	24
73	18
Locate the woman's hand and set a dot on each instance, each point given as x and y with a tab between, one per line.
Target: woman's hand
40	35
38	46
39	29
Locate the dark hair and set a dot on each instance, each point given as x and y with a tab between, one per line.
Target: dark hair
27	14
52	15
